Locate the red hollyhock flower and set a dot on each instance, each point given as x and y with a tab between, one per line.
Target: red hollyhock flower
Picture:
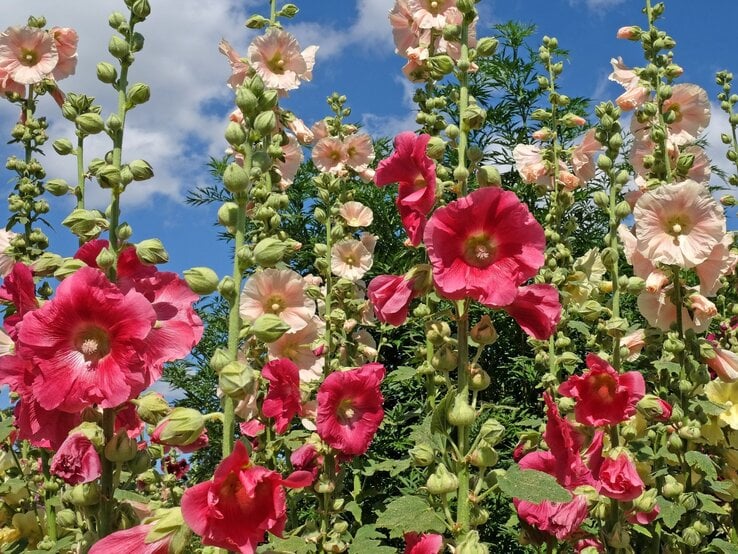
282	401
127	418
484	246
240	504
18	289
306	458
619	478
390	296
415	171
428	543
86	344
560	519
350	408
536	309
76	461
603	396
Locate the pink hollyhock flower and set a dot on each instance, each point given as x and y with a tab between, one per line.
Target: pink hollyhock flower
589	543
721	261
280	292
8	86
404	30
678	224
66	40
724	364
390	296
537	309
6	262
427	543
691	108
252	428
132	540
127	418
635	94
329	155
129	266
307	458
659	311
643	518
628	33
622	74
19	289
356	214
301	131
351	259
484	246
559	519
320	129
411	167
350	408
243	501
642	266
643	146
27	55
298	347
529	163
289	166
282	401
634	342
619	478
88	343
430	14
277	59
582	158
702	309
76	461
239	68
603	396
359	151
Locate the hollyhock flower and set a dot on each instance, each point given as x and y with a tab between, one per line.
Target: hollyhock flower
132	540
298	347
589	543
127	418
8	86
350	408
619	478
301	131
634	342
721	261
559	519
532	168
243	501
88	343
307	458
287	168
430	14
277	59
390	296
359	151
635	94
356	214
427	543
320	129
724	364
582	157
725	394
632	98
27	55
76	461
252	428
702	309
678	224
6	262
484	246
603	396
66	40
643	146
350	259
452	47
643	518
282	400
19	289
129	266
536	309
642	266
690	106
411	167
329	155
659	311
280	292
239	68
7	346
404	30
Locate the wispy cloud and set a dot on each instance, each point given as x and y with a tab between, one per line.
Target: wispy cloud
597	4
389	125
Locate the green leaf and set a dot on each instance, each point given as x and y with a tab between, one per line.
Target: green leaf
393	467
6	427
532	486
670	512
354	509
439	421
121	494
402	373
642	530
410	513
702	463
290	545
724	546
580	326
708	504
366	541
671	367
710	408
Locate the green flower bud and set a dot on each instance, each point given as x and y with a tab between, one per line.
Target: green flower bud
480	380
181	427
140	463
105	259
118	47
139	93
452	132
236	179
151	251
622	210
68	267
141	170
108	176
46	264
268	328
57	187
201	280
121	448
672	488
324	485
90	123
437	332
444	358
487	46
436	148
66	518
141	9
441	65
465	6
234	134
63	146
247	102
484	456
257	22
471	545
484	331
461	413
236	379
227	288
691	537
289	11
151	407
228	214
86	494
422	454
265	123
442	481
474	117
488	176
270	251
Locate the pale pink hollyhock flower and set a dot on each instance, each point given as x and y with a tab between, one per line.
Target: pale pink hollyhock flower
703	310
367	175
678	224
529	163
320	130
414	69
288	167
76	461
622	74
27	55
451	47
642	266
725	364
239	68
404	30
644	146
6	262
359	151
632	98
635	94
721	261
135	539
350	259
427	543
356	214
634	342
691	106
582	158
277	59
298	347
430	14
66	40
659	311
247	408
302	132
280	292
329	155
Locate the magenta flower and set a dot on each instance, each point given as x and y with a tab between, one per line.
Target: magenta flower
76	461
537	309
350	408
619	478
560	519
484	246
603	396
390	296
427	543
282	401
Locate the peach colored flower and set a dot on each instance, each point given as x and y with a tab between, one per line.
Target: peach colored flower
643	146
529	162
725	364
414	69
356	214
659	311
632	98
6	262
27	55
8	85
721	261
288	167
301	131
359	151
277	59
691	106
622	74
350	259
320	130
582	158
239	68
329	155
634	342
430	14
404	30
298	347
702	309
678	224
280	292
66	40
451	47
642	266
635	94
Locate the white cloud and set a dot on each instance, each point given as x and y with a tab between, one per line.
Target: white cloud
715	149
597	4
390	125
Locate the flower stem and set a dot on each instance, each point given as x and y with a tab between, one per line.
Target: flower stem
463	509
106	481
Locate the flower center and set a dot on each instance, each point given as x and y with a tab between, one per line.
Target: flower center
603	387
28	57
274	304
479	250
277	63
678	225
419	182
93	343
346	412
434	5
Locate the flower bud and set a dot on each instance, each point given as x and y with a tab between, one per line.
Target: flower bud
236	379
118	47
270	251
181	427
85	494
488	176
484	331
265	123
629	33
121	448
436	148
228	214
461	413
141	9
140	463
487	46
654	408
422	454
235	134
63	146
247	102
442	481
437	332
138	94
445	358
672	488
268	328
471	545
236	179
484	456
57	187
201	280
151	407
474	117
440	65
691	537
141	170
479	380
289	11
151	251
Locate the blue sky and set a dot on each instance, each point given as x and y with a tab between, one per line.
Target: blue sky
183	124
